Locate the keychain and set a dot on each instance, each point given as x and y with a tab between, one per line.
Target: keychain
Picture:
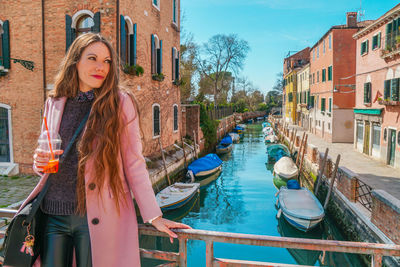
27	246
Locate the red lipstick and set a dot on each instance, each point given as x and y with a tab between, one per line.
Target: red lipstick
98	77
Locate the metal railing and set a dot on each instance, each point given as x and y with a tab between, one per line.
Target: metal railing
363	194
377	251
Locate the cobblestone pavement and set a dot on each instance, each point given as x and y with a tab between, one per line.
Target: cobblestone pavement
372	172
15	188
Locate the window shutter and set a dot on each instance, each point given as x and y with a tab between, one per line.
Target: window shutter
395	89
123	40
153	60
156	120
70	32
133	45
175	118
386	92
177	67
173	64
367	44
330	105
379	40
369	93
160	61
365	92
97	22
6	45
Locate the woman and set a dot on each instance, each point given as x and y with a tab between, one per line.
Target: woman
88	206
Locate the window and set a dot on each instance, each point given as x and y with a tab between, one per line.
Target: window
5	152
317	76
156	4
376	41
367	93
4	45
392	31
329	125
313	55
322	104
313	78
386	91
175	64
290	97
360	131
330	73
128	41
330	105
323	75
156	55
81	22
364	47
317	51
174	11
330	41
376	137
156	120
323	47
175	118
385	134
394	89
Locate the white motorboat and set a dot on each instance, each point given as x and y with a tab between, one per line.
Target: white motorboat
286	169
176	195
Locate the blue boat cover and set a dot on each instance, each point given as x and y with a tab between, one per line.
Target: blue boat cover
292	184
226	141
238	128
206	163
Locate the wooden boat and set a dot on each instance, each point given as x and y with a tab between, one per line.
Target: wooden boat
211	178
268	131
235	137
300	208
286	169
204	167
276	152
278	182
271	139
225	146
176	195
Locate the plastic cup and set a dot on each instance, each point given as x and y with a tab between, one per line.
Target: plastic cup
51	152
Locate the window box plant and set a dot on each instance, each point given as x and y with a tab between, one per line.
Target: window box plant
178	82
158	77
135	70
3	71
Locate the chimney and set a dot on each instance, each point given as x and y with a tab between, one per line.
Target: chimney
351	19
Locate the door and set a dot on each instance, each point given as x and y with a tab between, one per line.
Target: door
392	146
366	138
4	136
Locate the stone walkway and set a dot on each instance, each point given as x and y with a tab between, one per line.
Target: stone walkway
15	188
372	172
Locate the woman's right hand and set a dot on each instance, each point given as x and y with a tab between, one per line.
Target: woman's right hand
41	159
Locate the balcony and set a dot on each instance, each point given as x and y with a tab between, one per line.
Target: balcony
391	45
389	102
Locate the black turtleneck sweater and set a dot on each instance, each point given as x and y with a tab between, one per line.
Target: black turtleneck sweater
60	198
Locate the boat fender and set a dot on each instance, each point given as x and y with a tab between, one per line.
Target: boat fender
278	215
190	176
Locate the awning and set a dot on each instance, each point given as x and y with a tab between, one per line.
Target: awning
368	111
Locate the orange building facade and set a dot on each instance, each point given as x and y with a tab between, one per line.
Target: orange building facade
146	35
332	82
376	115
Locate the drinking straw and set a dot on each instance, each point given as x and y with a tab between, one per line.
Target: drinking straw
48	137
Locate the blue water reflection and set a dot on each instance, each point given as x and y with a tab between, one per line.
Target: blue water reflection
242	200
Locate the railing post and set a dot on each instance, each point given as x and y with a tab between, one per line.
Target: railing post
209	253
183	252
376	260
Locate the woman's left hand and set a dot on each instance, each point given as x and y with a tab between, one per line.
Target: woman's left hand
165	225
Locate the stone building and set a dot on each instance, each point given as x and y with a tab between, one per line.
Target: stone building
332	81
376	114
144	33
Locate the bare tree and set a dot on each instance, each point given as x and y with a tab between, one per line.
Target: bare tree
220	55
188	67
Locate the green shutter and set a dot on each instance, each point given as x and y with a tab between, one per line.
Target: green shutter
122	40
160	59
134	44
173	63
152	54
369	92
69	32
177	67
308	98
322	104
324	75
330	73
379	40
367	44
386	92
97	21
395	89
6	45
330	105
366	93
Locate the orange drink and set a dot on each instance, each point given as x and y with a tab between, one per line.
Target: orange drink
52	166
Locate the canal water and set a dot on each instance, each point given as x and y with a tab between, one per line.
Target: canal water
241	199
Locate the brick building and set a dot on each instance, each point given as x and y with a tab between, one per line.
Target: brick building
303	96
332	81
144	33
377	109
291	65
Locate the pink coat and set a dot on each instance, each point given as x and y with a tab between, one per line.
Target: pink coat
114	240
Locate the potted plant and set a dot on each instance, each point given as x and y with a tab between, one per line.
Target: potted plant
158	77
178	82
133	69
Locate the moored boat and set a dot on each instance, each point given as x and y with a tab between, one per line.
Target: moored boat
225	146
276	152
204	167
300	207
176	195
286	169
235	137
271	139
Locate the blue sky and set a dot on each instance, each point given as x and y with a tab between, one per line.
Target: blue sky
272	27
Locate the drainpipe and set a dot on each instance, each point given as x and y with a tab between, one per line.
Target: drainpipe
43	55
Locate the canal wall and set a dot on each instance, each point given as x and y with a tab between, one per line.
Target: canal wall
376	221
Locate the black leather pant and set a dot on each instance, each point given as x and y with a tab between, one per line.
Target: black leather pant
62	235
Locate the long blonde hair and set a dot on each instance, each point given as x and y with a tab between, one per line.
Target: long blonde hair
103	126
